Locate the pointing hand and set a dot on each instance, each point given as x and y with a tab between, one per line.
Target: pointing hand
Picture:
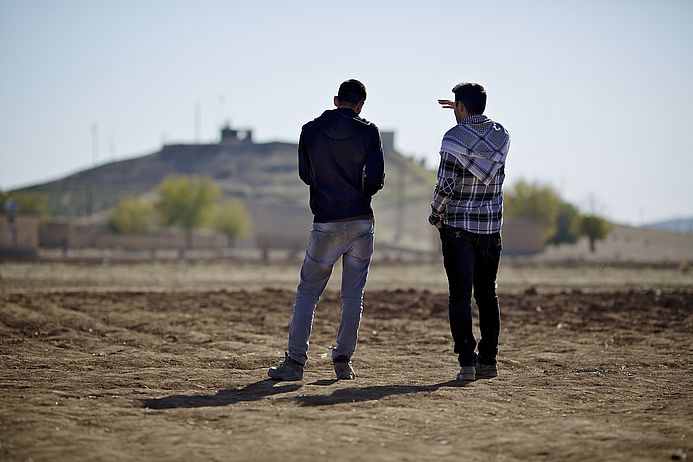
446	104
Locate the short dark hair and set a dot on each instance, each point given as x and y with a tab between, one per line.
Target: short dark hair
351	92
472	95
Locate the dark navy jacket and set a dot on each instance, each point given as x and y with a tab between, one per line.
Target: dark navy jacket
340	156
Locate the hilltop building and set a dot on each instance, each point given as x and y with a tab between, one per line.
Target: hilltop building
232	136
388	139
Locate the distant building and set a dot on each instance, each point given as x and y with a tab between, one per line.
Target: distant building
18	234
388	139
232	136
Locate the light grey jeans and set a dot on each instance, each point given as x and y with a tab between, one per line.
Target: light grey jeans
353	241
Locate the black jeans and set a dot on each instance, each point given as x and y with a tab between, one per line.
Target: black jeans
471	261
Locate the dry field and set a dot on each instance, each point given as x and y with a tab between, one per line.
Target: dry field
121	362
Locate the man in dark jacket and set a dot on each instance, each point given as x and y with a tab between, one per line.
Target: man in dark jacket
340	157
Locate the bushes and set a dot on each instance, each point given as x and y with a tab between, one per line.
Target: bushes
185	202
132	215
561	220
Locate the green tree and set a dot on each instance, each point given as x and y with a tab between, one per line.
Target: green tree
131	215
595	228
536	202
29	202
567	225
232	219
186	202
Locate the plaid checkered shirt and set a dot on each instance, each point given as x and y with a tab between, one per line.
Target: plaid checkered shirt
469	188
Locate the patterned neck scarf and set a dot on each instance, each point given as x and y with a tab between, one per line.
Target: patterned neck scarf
480	144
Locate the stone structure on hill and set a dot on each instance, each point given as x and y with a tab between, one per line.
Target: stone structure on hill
233	136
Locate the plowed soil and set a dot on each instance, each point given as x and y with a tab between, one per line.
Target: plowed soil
122	376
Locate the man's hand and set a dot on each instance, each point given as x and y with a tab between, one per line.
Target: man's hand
446	104
435	220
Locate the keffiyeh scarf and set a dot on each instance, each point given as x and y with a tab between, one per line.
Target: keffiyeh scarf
480	144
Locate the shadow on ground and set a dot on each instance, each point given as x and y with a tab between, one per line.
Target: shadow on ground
263	388
252	392
355	395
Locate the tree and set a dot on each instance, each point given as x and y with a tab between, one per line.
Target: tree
29	202
185	202
131	215
539	203
567	225
231	218
595	228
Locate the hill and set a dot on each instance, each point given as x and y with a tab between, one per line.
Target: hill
677	225
263	175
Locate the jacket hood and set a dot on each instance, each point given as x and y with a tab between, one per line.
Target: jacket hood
340	124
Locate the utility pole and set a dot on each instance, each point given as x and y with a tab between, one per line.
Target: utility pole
400	187
111	147
11	211
95	143
197	116
89	200
221	99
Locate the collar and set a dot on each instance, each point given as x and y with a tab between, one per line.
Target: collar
347	111
474	119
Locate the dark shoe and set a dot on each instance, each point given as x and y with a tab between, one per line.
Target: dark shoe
486	371
343	369
288	370
467	374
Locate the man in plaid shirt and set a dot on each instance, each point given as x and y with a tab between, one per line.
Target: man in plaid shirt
467	209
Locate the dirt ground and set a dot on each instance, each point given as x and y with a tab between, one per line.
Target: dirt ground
121	375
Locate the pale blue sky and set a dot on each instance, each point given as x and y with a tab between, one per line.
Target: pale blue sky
596	94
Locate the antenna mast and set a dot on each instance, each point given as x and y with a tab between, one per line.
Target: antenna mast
95	143
196	122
